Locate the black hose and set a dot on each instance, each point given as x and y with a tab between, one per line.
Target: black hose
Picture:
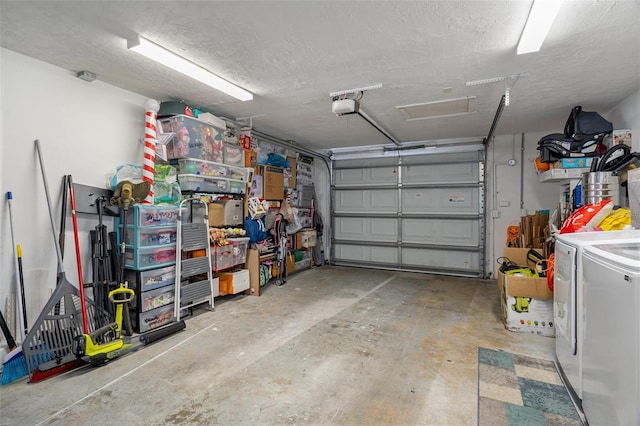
607	165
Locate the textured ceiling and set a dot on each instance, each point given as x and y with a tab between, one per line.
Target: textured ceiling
292	54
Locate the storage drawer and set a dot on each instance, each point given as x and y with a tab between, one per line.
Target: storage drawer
150	215
150	236
149	257
142	281
153	319
157	298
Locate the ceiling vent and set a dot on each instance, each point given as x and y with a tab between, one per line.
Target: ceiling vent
446	108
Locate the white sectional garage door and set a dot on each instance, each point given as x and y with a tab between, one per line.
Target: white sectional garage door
413	213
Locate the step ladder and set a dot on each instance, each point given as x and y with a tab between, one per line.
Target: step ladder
192	238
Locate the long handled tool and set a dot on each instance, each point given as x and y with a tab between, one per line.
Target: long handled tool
48	345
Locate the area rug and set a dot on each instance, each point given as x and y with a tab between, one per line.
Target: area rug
516	390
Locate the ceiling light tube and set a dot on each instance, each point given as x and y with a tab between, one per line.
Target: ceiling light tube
159	54
541	16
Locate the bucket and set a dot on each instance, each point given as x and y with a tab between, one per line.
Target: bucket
599	186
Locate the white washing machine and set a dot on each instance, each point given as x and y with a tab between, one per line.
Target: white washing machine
611	345
568	298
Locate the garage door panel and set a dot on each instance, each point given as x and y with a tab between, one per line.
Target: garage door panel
425	258
441	232
440	173
366	229
440	200
413	212
366	254
379	176
366	200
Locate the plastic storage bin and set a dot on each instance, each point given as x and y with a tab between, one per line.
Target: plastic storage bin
149	257
142	281
233	155
195	139
199	183
191	166
223	257
240	246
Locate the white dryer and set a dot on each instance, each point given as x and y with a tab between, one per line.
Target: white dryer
568	298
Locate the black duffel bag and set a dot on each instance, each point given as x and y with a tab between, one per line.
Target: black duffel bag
584	133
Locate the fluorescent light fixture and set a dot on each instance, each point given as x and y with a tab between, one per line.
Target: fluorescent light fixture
541	16
160	54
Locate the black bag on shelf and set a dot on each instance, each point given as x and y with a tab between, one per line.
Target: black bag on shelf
584	133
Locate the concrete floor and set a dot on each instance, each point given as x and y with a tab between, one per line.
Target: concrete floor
334	345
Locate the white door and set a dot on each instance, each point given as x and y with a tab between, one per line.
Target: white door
414	213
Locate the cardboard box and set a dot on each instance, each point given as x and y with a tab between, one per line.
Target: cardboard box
250	158
272	182
233	282
216	214
573	163
527	302
306	238
291	183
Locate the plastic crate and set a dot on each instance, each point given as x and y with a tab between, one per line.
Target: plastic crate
195	139
142	281
149	257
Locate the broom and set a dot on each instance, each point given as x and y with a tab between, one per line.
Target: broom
14	366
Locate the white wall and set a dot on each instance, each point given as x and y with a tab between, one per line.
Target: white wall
86	130
626	115
503	186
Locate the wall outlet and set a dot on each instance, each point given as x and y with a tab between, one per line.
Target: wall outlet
495	214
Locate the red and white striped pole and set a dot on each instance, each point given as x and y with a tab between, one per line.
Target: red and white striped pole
151	107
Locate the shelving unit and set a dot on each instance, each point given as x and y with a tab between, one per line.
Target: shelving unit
567	179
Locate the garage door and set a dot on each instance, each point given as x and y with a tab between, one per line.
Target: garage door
412	213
